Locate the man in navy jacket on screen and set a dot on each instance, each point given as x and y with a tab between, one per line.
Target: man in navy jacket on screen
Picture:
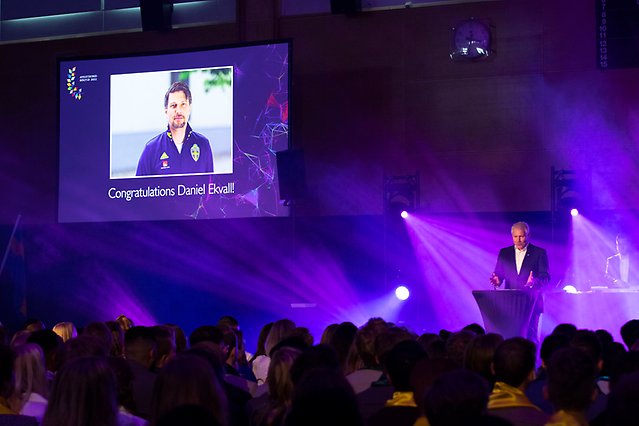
178	150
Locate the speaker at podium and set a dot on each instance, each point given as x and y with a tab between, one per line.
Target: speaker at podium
509	312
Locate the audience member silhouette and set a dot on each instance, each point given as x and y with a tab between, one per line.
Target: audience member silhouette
188	380
102	332
363	366
125	322
323	397
7	359
630	333
229	321
181	343
475	328
479	355
374	398
514	367
9	416
401	409
341	342
587	341
33	324
237	398
124	381
191	415
305	334
50	344
456	345
139	350
117	339
270	409
536	389
456	398
84	393
66	330
571	385
567	329
164	346
423	375
280	330
31	385
622	401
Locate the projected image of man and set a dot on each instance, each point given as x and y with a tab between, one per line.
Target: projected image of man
179	149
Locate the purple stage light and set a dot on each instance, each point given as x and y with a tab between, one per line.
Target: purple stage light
402	293
574	212
404	214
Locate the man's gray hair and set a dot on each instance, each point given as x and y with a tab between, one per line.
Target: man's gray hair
520	225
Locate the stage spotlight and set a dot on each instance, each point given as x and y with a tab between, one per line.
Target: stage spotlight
570	289
404	214
574	212
402	293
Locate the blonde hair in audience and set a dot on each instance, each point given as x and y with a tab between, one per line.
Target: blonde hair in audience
30	374
281	330
125	322
66	330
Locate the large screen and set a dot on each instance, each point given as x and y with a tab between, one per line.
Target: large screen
179	135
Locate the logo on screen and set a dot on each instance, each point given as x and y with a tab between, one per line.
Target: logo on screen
73	90
195	152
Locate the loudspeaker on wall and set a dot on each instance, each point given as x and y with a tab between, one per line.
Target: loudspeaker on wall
156	14
347	7
291	173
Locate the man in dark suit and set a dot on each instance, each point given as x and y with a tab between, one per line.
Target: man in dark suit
523	266
620	273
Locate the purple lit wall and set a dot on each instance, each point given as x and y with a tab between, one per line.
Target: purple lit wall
375	95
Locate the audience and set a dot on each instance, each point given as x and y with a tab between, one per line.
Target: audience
379	374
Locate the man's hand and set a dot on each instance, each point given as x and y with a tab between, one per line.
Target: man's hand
531	281
494	280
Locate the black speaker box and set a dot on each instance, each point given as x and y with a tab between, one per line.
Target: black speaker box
346	7
291	173
156	14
